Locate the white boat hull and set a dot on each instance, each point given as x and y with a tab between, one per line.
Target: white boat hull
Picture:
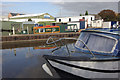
88	69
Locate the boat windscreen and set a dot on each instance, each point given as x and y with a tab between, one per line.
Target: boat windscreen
96	42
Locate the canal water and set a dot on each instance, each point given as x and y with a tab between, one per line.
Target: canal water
26	62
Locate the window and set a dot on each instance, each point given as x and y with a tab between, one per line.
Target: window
59	20
55	19
69	19
94	21
96	42
41	30
91	18
83	37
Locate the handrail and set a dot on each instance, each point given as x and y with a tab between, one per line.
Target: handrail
51	37
47	42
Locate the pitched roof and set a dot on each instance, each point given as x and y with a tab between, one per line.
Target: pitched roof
21	14
14	14
28	15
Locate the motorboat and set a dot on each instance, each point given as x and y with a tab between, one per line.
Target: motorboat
95	54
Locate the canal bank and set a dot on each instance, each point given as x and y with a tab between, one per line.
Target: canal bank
28	40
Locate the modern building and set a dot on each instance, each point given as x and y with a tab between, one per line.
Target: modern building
32	17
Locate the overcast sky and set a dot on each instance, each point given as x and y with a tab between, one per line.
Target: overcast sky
60	0
76	8
58	7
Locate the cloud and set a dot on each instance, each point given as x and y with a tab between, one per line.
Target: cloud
119	6
11	0
6	5
60	1
5	8
70	7
75	8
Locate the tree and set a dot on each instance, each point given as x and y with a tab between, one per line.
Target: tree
80	14
108	15
86	13
29	19
118	17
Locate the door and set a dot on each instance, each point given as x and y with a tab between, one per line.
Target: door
82	24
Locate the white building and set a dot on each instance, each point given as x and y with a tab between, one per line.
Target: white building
76	20
102	24
97	23
106	24
34	17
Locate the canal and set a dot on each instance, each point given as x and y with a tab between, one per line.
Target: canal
26	62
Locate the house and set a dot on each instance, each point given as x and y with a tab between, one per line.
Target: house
76	20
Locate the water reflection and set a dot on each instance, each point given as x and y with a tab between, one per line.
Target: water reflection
14	51
27	62
45	47
24	63
29	54
32	51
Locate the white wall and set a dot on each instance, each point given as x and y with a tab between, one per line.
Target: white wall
78	25
33	19
106	24
85	24
5	19
76	18
38	20
18	20
88	19
96	23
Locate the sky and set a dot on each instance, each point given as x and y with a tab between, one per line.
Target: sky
29	8
57	8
